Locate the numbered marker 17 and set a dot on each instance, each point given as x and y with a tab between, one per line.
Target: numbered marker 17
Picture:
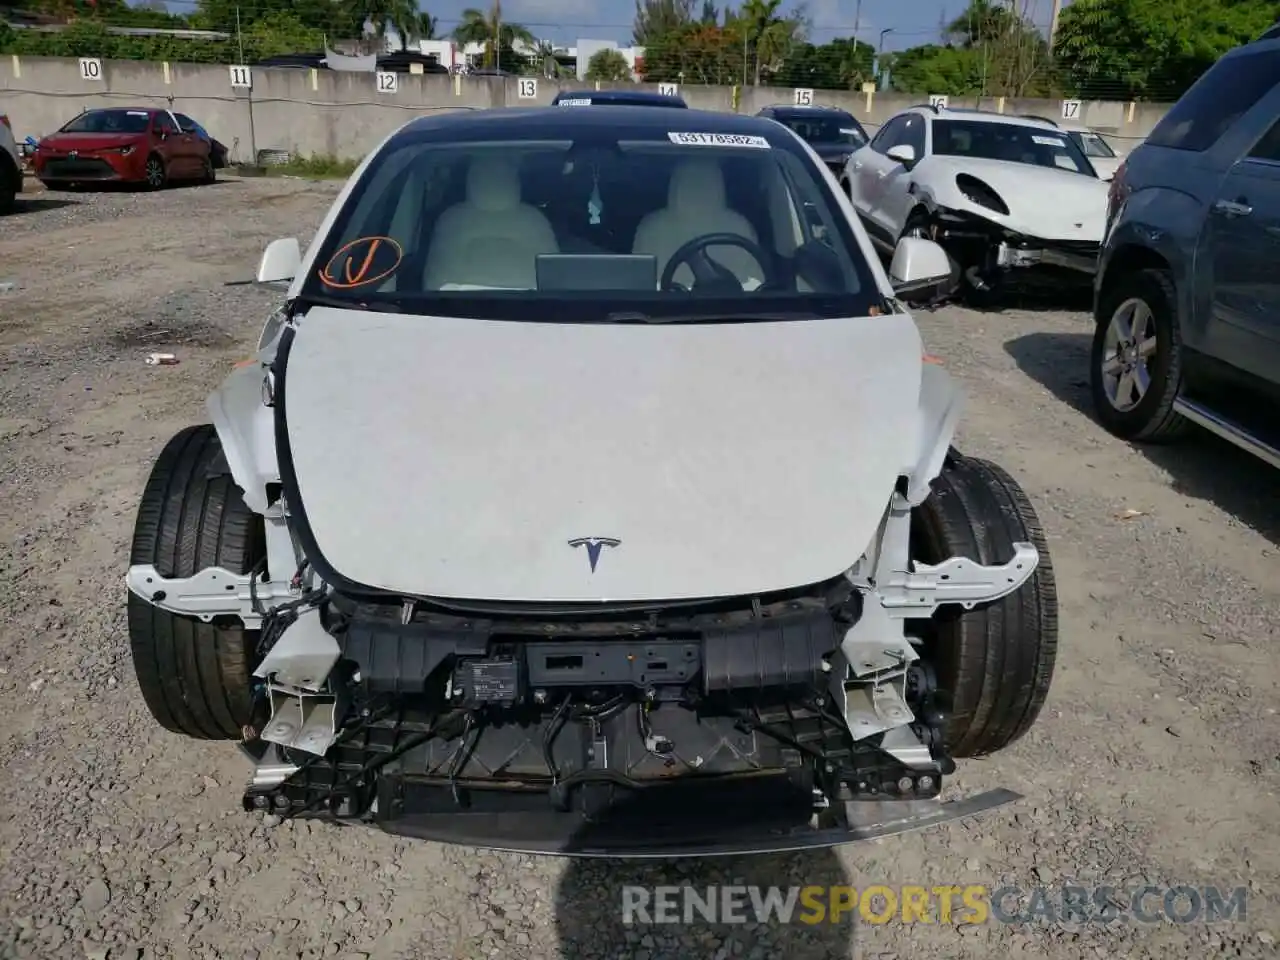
241	77
388	82
90	68
1071	109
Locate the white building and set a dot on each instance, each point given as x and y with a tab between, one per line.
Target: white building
575	58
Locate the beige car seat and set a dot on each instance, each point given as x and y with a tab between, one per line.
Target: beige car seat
696	206
491	238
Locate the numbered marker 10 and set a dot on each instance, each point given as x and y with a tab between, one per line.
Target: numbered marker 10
90	68
1070	109
804	98
938	100
668	89
241	78
388	82
528	88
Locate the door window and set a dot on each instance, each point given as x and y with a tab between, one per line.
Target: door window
163	123
890	135
1268	148
1217	100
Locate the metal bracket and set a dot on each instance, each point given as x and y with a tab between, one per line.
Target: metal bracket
871	710
212	592
301	720
303	656
296	669
957	580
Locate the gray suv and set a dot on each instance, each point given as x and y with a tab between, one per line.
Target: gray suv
1187	293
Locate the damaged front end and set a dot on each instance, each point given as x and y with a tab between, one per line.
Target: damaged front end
987	252
694	727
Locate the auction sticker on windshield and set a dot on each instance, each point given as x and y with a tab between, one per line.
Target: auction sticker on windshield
719	140
575	103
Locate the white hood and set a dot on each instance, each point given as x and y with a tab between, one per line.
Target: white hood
458	458
1043	202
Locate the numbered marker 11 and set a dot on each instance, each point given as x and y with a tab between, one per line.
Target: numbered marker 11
388	82
241	78
90	68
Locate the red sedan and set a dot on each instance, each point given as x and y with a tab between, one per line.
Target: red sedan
122	145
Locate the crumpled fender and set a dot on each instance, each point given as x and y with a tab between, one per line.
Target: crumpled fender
247	432
941	403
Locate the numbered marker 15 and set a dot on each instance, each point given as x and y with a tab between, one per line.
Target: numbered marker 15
804	98
388	82
90	68
241	78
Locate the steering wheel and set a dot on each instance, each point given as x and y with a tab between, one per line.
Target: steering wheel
707	274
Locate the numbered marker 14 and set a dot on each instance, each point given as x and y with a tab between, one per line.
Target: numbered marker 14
528	88
90	68
1071	109
241	77
804	98
668	89
388	82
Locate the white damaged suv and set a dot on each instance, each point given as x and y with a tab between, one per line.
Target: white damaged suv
998	192
592	494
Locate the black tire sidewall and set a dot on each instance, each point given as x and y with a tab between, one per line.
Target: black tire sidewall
1154	289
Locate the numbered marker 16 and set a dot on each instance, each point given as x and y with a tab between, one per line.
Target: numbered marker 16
527	88
90	68
1071	109
388	82
804	98
241	78
668	89
938	100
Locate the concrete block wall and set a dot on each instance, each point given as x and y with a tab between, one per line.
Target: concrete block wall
321	112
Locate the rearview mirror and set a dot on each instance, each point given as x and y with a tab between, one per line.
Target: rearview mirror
921	270
904	153
281	261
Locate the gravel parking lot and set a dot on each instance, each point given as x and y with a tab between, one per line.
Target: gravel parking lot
1156	761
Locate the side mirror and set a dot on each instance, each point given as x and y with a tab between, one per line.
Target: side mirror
281	261
904	153
920	270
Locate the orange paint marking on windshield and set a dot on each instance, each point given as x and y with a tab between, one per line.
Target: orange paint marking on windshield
360	276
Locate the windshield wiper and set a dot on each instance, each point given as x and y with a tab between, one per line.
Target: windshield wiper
342	303
758	316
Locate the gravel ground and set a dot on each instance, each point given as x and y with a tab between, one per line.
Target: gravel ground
1156	760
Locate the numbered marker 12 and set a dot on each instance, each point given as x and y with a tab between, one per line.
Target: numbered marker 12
90	68
241	78
804	98
388	82
528	88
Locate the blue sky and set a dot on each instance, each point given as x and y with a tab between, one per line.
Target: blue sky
563	21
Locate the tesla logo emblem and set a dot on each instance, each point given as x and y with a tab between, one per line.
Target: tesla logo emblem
73	154
593	545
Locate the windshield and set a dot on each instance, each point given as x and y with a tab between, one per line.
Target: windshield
1012	142
841	129
1094	145
601	222
110	121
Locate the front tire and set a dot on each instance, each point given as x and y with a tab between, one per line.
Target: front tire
994	663
154	174
1136	360
195	677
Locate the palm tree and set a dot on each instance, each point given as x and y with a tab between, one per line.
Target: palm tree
544	61
491	32
383	15
770	35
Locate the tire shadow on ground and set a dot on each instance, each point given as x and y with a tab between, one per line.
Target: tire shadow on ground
594	894
37	203
1202	465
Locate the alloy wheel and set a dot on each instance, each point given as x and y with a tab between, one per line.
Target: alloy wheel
1128	347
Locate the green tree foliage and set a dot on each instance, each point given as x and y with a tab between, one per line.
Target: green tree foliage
497	36
1151	49
608	65
657	19
839	65
696	53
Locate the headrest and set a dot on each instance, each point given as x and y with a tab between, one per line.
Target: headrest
493	183
696	183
